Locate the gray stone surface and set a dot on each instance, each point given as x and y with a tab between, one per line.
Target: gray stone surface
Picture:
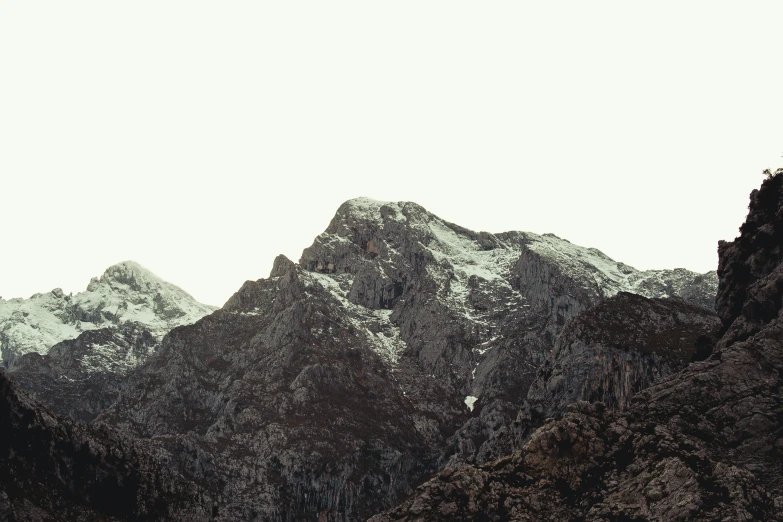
701	444
331	389
83	376
614	350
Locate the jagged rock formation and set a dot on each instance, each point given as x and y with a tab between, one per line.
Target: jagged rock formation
53	468
81	377
614	350
330	389
291	402
126	292
607	353
479	311
749	290
702	444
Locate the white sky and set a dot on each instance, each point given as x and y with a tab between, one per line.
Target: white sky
202	139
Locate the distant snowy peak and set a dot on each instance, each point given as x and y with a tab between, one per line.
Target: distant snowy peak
126	292
131	274
129	292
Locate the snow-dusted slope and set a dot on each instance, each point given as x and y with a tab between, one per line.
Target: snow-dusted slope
126	292
379	249
479	311
609	277
461	254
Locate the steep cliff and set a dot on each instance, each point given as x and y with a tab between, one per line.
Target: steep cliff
702	444
478	311
614	350
81	377
291	403
400	344
52	468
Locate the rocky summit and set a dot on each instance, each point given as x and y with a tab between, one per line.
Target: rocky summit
401	347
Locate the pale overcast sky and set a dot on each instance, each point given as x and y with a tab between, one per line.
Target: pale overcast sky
202	139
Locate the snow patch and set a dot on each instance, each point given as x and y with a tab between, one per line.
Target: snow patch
111	358
486	345
370	209
460	258
594	268
386	341
470	400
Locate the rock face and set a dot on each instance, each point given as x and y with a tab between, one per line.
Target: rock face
81	377
396	346
749	289
291	403
480	312
399	345
53	468
701	444
127	292
616	349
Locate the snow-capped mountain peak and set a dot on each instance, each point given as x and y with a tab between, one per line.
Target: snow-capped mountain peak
125	292
129	273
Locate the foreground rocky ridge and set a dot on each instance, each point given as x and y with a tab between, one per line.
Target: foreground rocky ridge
702	444
52	468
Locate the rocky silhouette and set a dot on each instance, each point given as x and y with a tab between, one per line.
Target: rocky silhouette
398	346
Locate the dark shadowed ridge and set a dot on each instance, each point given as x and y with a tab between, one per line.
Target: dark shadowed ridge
53	468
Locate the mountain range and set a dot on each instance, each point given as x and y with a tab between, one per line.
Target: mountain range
405	366
125	293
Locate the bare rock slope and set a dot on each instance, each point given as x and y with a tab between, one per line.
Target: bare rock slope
478	311
614	350
395	347
81	377
701	444
398	346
